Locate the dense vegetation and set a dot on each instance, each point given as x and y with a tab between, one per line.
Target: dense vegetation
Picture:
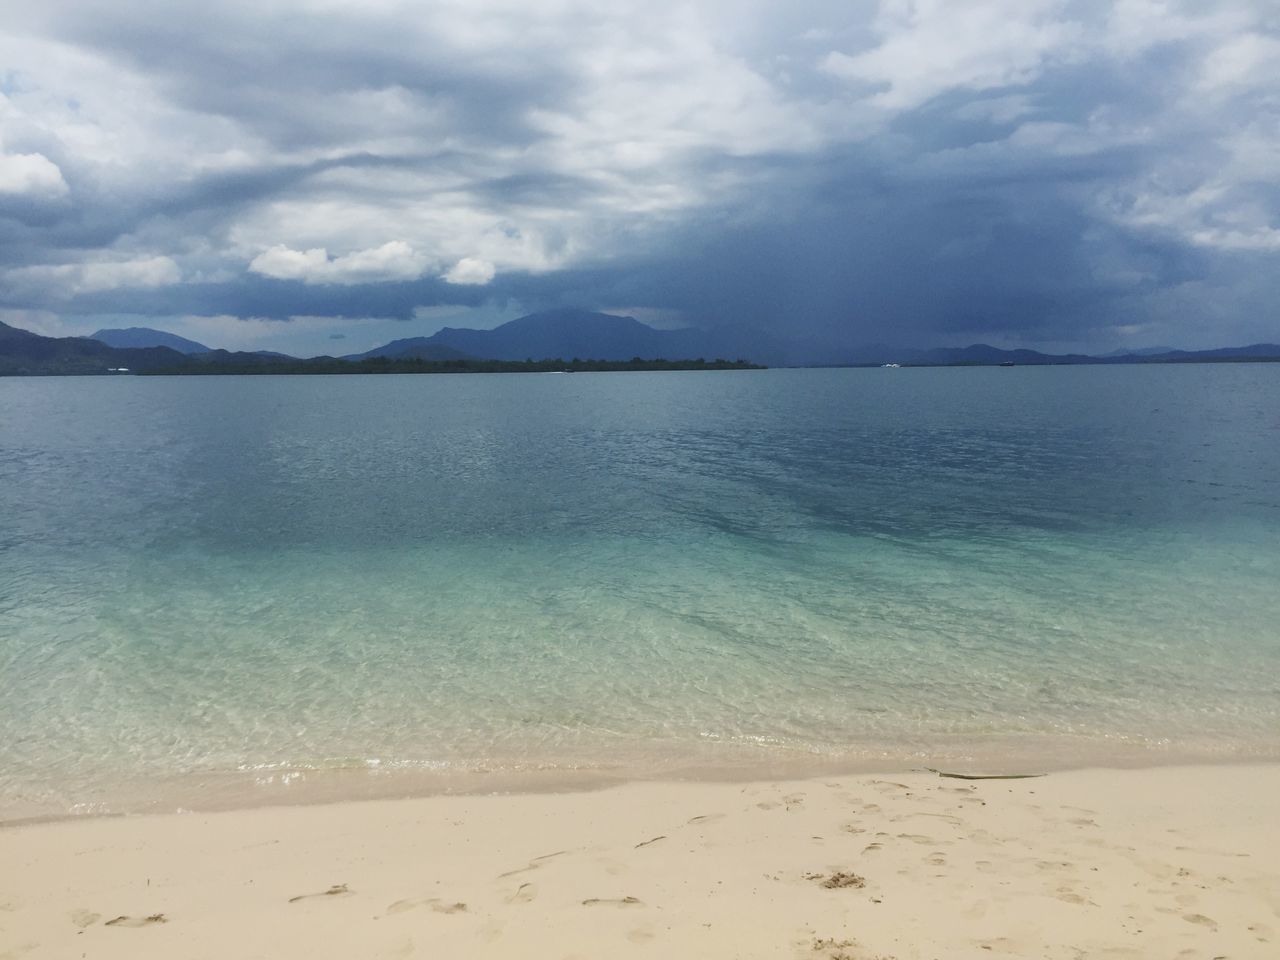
332	365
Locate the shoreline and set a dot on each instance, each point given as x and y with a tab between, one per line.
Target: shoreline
1125	863
287	785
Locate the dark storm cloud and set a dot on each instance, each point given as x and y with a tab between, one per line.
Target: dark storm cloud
268	299
272	69
1037	171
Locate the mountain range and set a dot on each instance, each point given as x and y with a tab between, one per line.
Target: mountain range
569	332
147	337
23	353
564	334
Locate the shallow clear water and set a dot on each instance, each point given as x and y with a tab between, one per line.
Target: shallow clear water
259	579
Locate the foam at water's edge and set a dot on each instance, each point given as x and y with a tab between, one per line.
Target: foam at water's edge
286	785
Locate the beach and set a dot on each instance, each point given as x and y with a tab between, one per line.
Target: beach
654	665
895	576
1164	862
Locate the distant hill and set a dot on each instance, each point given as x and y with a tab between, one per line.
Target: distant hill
412	348
563	334
26	353
23	353
147	337
213	358
558	333
571	332
1255	351
985	354
982	354
1137	352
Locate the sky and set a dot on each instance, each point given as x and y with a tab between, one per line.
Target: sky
320	177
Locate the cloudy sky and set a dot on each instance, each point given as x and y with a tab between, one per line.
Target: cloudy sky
316	176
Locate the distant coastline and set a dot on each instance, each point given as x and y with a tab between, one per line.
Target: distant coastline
376	365
1050	360
555	340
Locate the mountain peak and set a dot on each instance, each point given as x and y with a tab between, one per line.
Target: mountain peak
564	317
147	337
563	332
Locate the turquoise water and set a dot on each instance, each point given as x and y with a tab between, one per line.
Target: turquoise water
248	588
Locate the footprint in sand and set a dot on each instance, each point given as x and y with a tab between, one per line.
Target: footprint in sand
337	890
1055	866
84	918
872	847
1215	853
434	903
1200	920
890	785
950	818
533	864
612	867
400	906
918	838
138	921
640	935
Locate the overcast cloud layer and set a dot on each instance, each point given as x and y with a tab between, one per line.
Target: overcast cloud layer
282	173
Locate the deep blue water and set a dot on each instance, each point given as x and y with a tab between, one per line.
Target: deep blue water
266	578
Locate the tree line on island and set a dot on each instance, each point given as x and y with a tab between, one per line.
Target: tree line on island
333	365
539	343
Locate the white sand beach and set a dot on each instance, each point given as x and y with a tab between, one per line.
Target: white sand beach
1173	862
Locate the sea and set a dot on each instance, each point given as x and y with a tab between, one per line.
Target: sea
231	591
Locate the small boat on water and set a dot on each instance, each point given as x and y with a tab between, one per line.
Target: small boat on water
890	366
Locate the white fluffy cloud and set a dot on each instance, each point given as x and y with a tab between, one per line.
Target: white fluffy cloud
394	260
69	279
30	174
470	271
